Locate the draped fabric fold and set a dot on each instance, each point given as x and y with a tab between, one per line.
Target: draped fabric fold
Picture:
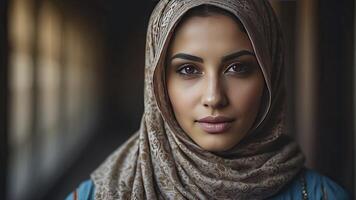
160	161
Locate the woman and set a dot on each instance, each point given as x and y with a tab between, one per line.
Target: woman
213	124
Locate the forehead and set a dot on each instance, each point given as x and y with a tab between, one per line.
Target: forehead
217	33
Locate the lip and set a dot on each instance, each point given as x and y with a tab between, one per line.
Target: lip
214	125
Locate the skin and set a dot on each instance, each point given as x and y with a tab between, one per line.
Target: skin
203	81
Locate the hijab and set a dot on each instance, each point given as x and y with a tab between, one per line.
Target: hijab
160	161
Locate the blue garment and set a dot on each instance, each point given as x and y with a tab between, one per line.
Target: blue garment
85	191
318	188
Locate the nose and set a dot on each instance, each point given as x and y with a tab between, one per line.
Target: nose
214	96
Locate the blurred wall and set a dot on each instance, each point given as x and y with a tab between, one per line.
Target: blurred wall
55	55
3	99
335	117
320	72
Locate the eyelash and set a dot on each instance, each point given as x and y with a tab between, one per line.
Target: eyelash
246	68
184	67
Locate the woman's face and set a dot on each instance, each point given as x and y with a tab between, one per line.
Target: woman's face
214	81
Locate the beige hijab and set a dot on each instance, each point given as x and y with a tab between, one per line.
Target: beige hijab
161	162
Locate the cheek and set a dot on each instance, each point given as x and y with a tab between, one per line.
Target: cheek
246	96
183	97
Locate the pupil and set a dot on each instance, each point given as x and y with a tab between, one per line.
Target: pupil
189	70
237	68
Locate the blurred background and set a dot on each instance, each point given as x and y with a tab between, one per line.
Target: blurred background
71	87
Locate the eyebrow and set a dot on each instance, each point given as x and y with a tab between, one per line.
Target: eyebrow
236	55
187	57
224	59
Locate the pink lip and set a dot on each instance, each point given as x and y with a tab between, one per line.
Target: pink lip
215	125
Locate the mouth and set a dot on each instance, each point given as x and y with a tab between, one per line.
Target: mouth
215	125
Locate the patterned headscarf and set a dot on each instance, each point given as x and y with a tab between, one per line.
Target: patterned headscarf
160	161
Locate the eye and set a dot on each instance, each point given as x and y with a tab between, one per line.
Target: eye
238	68
188	69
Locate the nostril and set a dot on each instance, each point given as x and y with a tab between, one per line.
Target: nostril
214	95
215	102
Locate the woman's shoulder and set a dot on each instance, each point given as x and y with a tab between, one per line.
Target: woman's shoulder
85	191
312	185
322	185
